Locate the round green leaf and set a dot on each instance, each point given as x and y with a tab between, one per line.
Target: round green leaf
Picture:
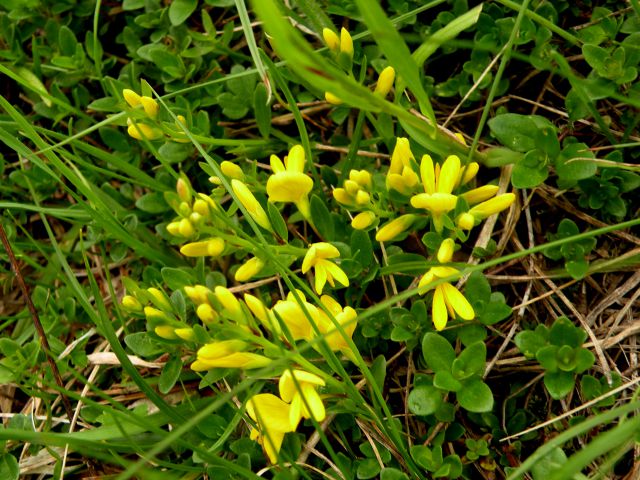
475	396
559	384
424	400
437	352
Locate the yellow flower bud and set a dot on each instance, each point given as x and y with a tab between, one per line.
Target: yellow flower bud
131	303
385	81
395	228
195	218
332	99
141	131
153	314
159	299
165	331
229	302
341	196
231	170
445	252
201	208
361	177
184	209
257	308
249	270
185	333
480	194
207	314
346	42
198	294
206	248
250	203
180	121
493	206
174	229
331	39
362	197
351	186
185	228
363	220
183	190
466	221
131	97
150	106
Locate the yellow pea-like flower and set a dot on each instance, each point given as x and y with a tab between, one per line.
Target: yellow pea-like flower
250	203
207	248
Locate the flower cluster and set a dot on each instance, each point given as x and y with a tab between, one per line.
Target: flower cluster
342	49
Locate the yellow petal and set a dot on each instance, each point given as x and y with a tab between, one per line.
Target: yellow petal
150	106
295	412
249	269
312	403
276	164
213	248
437	203
394	228
131	97
231	170
385	81
448	174
428	174
326	250
493	206
206	313
466	221
458	302
467	172
439	309
331	39
321	278
335	272
295	161
250	203
269	411
363	220
346	42
400	156
332	99
288	187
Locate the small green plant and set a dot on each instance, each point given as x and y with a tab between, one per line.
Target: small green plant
559	351
461	374
575	253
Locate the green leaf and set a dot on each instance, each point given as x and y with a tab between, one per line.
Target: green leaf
424	400
576	162
176	278
577	268
321	217
362	249
475	396
379	370
437	352
142	344
9	468
368	468
180	10
563	332
471	361
531	170
529	343
548	464
584	360
514	131
444	380
559	384
277	222
547	357
392	474
262	109
170	374
67	41
152	203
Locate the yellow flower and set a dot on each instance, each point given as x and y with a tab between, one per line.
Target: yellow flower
159	299
271	415
198	294
206	248
345	317
230	304
150	106
438	184
297	318
447	299
288	182
298	388
166	331
493	206
401	156
227	354
395	228
385	81
250	203
231	170
318	257
207	314
260	311
249	269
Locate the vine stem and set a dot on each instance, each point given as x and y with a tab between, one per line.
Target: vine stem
36	321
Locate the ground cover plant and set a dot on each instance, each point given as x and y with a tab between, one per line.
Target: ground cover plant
319	239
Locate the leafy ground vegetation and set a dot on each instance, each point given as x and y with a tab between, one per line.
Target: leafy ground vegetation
319	239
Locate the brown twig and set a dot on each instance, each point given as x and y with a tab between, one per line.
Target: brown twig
36	322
